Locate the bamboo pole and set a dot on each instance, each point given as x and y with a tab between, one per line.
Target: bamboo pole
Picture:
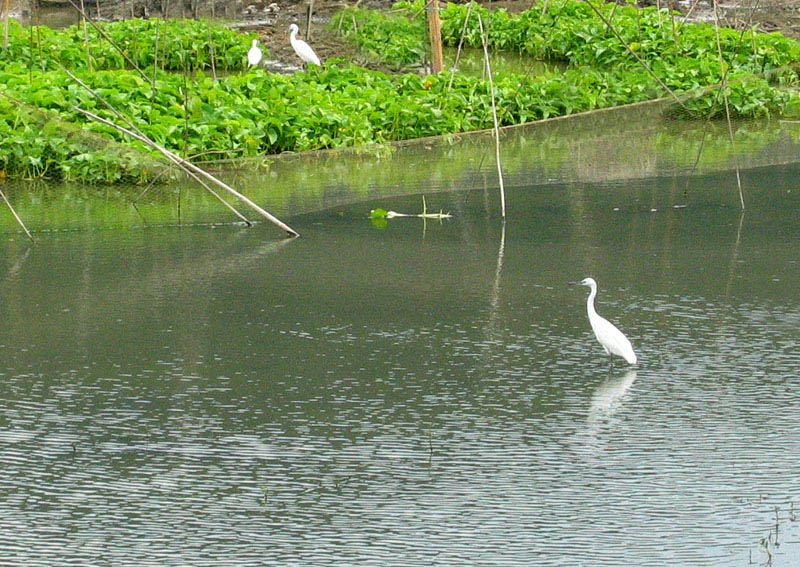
6	13
16	216
35	4
85	37
212	53
494	118
105	36
435	31
192	167
140	133
460	45
723	86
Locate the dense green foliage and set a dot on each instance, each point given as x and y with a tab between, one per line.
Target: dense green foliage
683	56
183	45
33	144
256	113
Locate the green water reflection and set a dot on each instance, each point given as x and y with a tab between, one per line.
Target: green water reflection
614	145
471	62
418	394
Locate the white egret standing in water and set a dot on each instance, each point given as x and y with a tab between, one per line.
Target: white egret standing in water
254	55
302	49
612	339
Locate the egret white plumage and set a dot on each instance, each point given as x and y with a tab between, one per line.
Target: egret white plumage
302	49
254	55
611	338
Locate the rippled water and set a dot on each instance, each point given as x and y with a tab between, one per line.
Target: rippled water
413	394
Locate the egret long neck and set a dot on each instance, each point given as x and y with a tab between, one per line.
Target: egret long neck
590	301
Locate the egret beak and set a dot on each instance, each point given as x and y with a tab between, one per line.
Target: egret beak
574	283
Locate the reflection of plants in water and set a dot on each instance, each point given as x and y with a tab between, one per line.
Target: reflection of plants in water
683	144
615	144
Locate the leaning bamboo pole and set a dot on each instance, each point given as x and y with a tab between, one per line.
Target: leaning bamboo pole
139	132
104	35
16	216
598	12
460	45
494	118
193	168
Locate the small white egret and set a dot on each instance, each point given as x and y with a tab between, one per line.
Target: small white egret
611	338
302	49
254	55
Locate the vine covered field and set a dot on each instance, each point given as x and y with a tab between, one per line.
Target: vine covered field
166	83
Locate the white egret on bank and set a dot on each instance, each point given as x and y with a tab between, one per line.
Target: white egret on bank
611	338
302	49
254	55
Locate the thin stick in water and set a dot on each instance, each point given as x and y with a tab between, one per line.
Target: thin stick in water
16	216
195	169
727	106
494	117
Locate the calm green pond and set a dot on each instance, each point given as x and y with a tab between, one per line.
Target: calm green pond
471	62
412	394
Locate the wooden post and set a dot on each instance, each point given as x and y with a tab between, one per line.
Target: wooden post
435	30
309	13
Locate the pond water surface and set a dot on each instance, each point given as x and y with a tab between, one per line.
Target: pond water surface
411	394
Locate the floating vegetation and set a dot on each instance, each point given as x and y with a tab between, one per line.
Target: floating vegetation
376	214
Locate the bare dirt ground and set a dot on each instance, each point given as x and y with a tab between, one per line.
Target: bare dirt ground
768	15
271	21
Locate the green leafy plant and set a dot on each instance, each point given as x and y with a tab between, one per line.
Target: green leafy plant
683	56
176	45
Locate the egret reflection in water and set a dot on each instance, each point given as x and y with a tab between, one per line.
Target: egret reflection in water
608	397
602	419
